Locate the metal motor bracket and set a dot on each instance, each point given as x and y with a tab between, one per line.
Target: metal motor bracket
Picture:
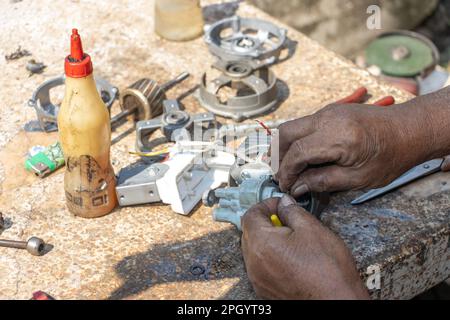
136	183
255	86
237	38
174	124
47	111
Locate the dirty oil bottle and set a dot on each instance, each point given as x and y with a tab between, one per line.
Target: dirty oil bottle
85	136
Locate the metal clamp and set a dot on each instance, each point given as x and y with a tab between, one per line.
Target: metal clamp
47	111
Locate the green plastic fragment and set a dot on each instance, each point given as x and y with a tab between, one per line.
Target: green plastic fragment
46	161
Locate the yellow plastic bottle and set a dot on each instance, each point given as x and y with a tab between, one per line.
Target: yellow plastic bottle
178	20
85	136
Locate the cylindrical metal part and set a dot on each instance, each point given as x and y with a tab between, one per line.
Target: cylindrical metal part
169	84
13	244
144	99
34	245
227	215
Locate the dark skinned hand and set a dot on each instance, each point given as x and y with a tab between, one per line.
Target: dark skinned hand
353	146
301	260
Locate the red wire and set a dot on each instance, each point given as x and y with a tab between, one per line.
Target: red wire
262	124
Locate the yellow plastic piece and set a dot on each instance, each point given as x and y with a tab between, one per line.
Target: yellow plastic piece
276	221
150	154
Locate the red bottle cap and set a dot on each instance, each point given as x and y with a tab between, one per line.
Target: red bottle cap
78	64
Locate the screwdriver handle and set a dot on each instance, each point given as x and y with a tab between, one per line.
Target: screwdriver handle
385	102
355	97
360	93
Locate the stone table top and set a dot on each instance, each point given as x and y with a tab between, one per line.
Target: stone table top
147	251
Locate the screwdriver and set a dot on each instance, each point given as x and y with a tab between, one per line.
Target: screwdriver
276	221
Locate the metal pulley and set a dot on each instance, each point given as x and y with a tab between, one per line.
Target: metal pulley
254	90
236	38
402	54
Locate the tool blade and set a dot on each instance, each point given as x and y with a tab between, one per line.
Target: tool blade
415	173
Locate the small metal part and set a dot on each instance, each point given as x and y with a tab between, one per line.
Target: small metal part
19	53
197	269
233	202
400	53
2	222
47	111
241	130
34	245
174	123
144	99
236	38
137	183
415	173
35	67
255	90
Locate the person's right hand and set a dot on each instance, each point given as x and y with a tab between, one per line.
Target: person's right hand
350	147
303	259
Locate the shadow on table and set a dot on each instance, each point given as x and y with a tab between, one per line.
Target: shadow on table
211	257
215	12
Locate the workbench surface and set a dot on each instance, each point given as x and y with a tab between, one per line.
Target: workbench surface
147	251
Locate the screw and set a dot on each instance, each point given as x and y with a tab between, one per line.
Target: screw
197	269
34	245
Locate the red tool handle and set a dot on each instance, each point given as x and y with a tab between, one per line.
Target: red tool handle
355	97
385	102
360	93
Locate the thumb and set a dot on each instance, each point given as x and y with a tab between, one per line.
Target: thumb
290	213
323	179
446	164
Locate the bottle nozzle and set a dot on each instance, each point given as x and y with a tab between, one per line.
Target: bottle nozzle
78	64
76	48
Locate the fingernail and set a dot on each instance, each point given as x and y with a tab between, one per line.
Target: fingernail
300	190
286	201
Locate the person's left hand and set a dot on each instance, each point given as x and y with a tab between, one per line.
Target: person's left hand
301	260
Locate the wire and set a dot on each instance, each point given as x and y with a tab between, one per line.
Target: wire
150	154
262	124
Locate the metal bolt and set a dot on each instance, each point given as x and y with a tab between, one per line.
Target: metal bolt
34	245
400	53
197	269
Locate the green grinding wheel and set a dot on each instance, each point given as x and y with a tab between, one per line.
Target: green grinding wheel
400	55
